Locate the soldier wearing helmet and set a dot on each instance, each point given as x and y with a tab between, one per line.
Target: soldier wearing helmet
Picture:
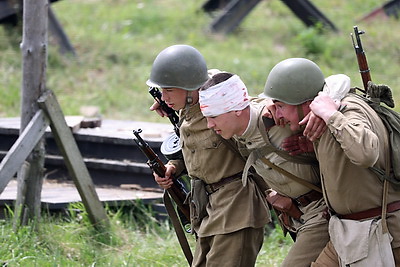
347	152
223	103
294	81
227	218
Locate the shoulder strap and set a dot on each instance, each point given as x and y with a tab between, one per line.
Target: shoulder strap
300	159
291	176
178	228
285	155
259	181
385	189
270	148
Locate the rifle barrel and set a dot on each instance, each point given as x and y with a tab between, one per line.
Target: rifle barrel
361	57
177	191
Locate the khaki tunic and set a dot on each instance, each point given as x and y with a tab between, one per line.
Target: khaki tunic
353	143
207	157
284	185
312	231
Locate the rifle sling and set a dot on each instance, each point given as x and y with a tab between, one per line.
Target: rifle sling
269	148
177	227
291	176
306	159
277	168
385	186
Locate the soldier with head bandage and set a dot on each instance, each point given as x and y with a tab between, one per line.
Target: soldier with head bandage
223	97
233	114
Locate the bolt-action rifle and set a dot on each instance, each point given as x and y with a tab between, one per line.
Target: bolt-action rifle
177	191
172	115
361	58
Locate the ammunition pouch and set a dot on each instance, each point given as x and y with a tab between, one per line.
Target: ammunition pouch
198	202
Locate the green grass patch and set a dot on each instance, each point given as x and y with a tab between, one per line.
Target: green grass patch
135	238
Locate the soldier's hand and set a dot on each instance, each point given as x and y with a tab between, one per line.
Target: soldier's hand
315	126
297	144
166	182
324	106
157	108
163	182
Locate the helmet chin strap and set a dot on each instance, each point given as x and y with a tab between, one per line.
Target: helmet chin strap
189	100
301	116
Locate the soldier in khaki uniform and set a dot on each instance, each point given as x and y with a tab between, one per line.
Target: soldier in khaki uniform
230	227
221	102
356	141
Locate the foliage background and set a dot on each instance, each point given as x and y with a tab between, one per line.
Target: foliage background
116	42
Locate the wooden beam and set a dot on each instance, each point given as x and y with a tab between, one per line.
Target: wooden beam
309	13
57	30
232	15
21	149
236	11
390	8
73	160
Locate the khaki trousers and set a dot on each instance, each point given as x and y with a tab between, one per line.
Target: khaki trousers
309	244
237	249
329	258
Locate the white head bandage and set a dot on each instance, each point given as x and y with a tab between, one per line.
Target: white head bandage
221	98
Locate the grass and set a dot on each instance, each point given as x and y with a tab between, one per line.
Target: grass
135	239
116	42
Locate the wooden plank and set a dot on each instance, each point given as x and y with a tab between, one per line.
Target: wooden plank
73	160
16	156
58	195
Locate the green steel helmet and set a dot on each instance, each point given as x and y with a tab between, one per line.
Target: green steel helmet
294	81
179	66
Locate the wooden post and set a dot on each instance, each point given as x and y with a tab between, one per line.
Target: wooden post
74	161
15	158
34	61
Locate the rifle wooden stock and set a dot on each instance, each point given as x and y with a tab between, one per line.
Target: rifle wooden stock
361	58
177	191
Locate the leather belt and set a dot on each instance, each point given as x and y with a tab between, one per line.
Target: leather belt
211	188
371	213
307	198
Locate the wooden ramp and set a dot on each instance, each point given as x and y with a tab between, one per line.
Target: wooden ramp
109	151
58	195
117	166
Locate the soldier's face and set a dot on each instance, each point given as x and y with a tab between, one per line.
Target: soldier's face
224	124
288	113
174	97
